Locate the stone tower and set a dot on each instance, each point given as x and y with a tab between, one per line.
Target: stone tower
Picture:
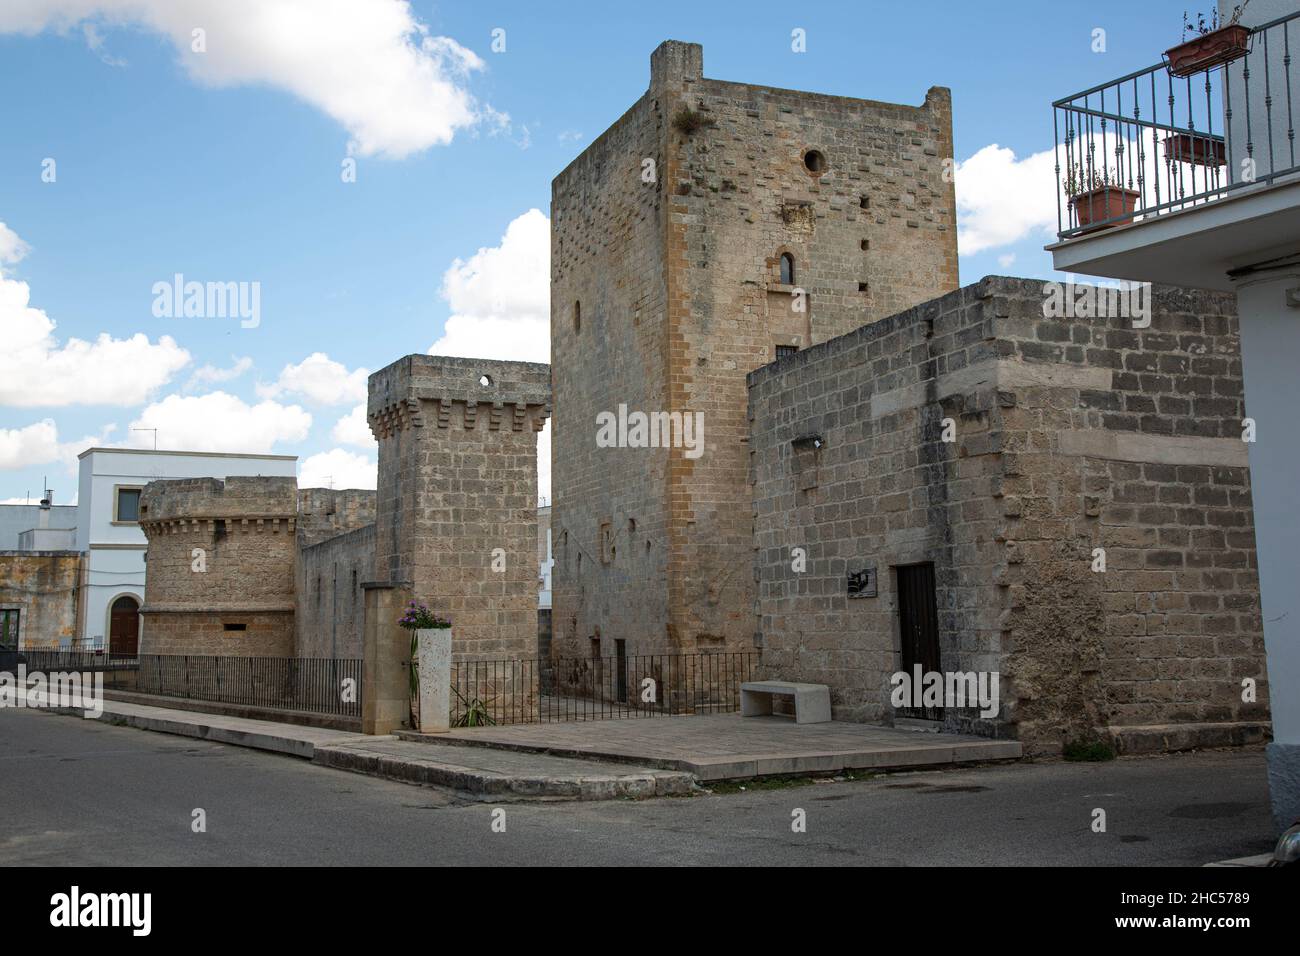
712	229
220	566
456	511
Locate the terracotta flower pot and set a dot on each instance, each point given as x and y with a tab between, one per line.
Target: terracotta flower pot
1196	149
1106	202
1213	49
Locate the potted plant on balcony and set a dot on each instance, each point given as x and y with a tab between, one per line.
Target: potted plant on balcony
1097	196
1211	43
430	705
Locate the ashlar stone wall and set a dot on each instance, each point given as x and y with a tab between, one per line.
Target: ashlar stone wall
1071	439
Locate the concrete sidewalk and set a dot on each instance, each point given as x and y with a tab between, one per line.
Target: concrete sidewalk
730	747
478	773
296	740
584	760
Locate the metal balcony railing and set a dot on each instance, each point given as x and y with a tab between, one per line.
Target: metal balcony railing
1164	139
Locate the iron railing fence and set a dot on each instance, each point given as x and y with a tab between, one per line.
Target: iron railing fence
1152	142
325	685
597	688
312	685
78	660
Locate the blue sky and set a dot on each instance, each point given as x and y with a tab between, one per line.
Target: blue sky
225	165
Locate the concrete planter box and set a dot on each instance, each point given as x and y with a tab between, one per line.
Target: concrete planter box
433	663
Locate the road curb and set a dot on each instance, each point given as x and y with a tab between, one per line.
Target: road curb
614	785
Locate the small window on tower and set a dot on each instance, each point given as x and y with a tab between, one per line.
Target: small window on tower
785	351
787	269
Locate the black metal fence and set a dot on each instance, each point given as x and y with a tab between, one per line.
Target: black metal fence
76	660
597	688
1166	138
315	685
312	685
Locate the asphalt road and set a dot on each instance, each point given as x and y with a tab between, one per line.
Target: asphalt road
78	792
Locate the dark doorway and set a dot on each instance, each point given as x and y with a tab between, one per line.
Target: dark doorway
620	657
918	628
124	627
9	640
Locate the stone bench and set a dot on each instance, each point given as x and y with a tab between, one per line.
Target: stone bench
812	702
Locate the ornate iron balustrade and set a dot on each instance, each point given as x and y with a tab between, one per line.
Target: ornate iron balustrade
1153	142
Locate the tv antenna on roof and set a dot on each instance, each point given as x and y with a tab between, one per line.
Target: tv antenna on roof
155	435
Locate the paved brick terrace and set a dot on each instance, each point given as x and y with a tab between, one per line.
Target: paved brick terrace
730	746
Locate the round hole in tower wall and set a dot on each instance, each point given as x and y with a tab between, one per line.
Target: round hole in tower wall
485	381
815	162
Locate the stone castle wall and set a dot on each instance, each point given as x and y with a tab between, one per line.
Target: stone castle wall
680	291
330	608
1070	435
326	512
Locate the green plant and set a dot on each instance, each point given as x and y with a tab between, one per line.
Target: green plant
686	121
1090	751
476	713
1080	180
1200	26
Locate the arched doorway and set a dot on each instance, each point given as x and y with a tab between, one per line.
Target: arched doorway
124	626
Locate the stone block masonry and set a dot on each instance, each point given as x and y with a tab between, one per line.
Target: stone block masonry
330	609
220	566
457	494
1072	438
668	286
278	570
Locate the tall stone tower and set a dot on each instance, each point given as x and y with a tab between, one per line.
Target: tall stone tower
713	229
456	510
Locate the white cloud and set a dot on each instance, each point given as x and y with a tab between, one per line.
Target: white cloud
35	444
220	422
338	468
36	370
1007	261
501	305
1002	199
501	297
12	248
210	375
38	444
352	429
372	66
319	379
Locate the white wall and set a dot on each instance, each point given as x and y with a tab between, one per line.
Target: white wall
15	519
116	551
1257	13
1270	344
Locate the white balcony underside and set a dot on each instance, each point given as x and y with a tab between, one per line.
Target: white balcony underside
1192	247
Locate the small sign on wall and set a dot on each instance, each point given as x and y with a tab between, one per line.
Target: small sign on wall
862	581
